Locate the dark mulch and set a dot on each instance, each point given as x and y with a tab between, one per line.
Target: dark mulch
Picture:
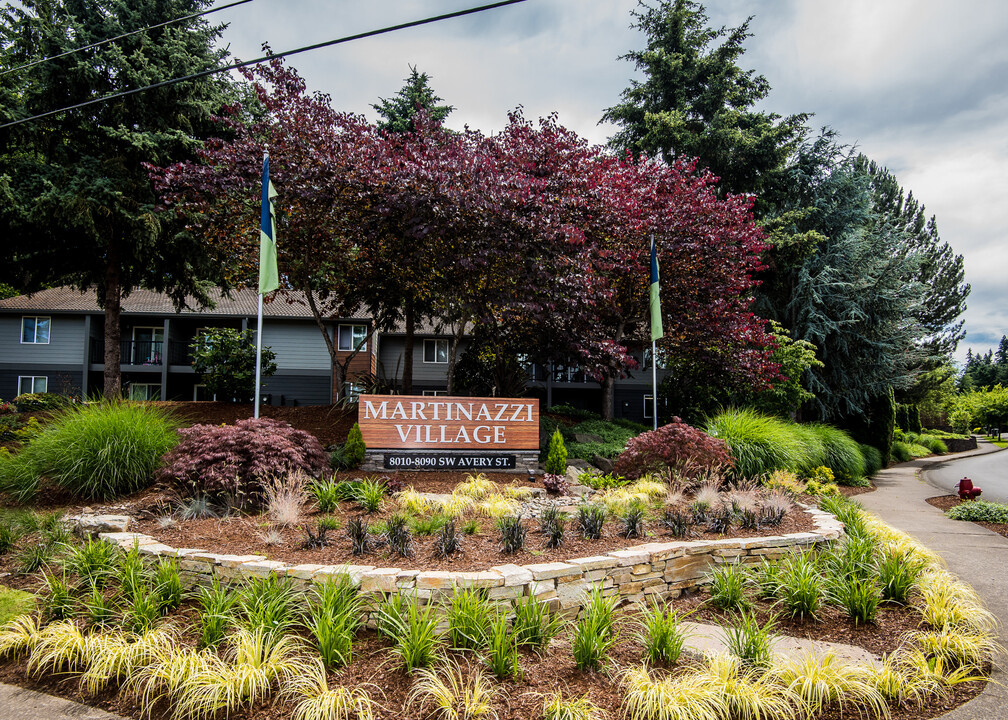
375	669
946	502
329	423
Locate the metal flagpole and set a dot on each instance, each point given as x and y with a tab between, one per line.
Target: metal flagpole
258	356
654	382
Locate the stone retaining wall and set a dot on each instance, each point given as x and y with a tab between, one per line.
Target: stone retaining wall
664	570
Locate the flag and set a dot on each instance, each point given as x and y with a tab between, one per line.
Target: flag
269	279
656	325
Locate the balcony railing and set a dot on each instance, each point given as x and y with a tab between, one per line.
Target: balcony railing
131	352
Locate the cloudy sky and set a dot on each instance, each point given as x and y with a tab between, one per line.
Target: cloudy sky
920	86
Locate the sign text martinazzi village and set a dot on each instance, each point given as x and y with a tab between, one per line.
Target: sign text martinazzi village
412	432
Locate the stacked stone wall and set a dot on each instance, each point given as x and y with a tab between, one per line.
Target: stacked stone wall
661	570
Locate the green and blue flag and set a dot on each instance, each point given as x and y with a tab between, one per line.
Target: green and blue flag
657	332
269	279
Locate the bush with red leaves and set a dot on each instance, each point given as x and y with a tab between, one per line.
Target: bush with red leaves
230	462
675	447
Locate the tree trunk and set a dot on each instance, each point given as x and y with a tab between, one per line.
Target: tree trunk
457	335
407	373
113	307
608	395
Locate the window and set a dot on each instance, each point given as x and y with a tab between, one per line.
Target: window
646	361
648	406
435	351
32	384
200	392
351	337
145	391
147	343
35	330
434	393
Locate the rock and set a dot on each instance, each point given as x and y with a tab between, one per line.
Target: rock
94	524
573	474
579	490
587	438
604	464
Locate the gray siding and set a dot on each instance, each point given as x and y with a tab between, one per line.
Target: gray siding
61	378
298	346
66	343
426	376
298	388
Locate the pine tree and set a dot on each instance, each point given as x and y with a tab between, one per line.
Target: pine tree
399	113
76	204
696	101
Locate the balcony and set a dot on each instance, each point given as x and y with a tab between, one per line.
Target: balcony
132	352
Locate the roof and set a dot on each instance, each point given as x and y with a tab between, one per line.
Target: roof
240	302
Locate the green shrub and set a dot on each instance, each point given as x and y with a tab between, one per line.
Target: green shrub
751	642
872	459
898	570
556	457
502	648
934	444
901	452
36	402
533	623
979	511
354	449
800	586
843	456
759	444
469	615
97	451
613	436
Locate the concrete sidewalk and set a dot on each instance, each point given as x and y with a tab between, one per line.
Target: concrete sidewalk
20	704
977	555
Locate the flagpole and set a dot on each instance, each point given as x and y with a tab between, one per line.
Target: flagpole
654	384
258	357
259	323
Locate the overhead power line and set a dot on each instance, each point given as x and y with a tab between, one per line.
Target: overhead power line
265	58
33	63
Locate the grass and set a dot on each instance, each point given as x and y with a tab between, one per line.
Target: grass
533	623
581	708
501	654
749	641
843	455
317	701
594	633
800	589
661	633
333	617
95	451
759	444
216	603
823	679
727	586
267	605
14	603
469	616
451	694
413	630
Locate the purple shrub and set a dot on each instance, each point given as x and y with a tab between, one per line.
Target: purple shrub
676	447
555	484
231	462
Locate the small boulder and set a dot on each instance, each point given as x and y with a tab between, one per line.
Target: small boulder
582	437
91	525
604	464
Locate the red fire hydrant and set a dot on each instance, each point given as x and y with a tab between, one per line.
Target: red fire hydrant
967	491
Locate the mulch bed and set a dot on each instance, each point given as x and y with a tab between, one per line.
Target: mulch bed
946	502
375	669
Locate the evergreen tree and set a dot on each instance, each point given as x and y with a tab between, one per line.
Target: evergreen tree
400	115
696	101
76	204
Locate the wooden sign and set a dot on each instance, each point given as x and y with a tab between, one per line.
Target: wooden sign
413	422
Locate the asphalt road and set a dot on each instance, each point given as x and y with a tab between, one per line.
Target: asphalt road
989	472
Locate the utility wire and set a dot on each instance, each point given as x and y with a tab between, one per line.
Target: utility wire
264	58
33	63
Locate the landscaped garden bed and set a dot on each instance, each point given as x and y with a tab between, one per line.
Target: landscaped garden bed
255	581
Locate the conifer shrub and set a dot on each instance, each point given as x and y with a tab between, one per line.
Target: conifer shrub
556	457
676	447
230	463
353	450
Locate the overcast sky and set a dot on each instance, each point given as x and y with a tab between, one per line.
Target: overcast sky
921	86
